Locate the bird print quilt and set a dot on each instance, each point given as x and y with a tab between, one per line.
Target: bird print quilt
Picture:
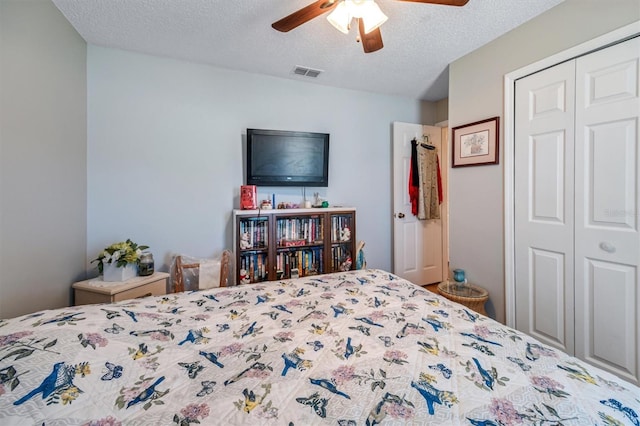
355	348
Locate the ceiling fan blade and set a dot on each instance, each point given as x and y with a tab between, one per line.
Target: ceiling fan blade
304	15
371	41
442	2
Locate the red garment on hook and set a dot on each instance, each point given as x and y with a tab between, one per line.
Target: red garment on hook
439	181
414	180
414	193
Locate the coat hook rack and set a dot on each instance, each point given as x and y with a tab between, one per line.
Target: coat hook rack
426	143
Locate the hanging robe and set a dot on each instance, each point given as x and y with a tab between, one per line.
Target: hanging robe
429	184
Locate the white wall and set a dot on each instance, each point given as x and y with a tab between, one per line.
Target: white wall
42	157
475	93
165	151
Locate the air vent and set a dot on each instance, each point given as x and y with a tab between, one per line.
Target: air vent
306	72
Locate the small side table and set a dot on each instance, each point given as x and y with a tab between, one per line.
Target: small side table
97	291
470	295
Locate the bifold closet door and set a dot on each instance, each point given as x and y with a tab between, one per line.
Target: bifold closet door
544	223
577	207
607	209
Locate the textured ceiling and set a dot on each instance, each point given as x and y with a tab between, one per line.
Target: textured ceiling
420	39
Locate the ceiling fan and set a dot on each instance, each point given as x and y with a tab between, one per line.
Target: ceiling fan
367	12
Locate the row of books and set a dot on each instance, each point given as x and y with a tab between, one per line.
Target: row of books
256	231
299	262
253	267
307	229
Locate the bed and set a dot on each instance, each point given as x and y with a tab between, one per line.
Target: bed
355	348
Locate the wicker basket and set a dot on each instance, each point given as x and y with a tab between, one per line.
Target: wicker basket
469	295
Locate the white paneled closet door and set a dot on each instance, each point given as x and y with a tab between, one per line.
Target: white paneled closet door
544	205
577	204
607	207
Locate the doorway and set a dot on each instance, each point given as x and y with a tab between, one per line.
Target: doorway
420	247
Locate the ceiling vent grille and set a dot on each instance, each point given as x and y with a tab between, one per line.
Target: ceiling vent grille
306	72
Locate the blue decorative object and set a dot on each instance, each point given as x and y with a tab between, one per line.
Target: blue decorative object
458	275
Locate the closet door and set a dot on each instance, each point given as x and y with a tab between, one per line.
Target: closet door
544	143
607	208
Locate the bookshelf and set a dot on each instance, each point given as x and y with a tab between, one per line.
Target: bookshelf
279	244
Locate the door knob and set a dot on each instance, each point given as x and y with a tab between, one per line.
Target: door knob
608	247
401	215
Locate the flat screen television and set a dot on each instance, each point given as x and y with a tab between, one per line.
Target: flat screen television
286	158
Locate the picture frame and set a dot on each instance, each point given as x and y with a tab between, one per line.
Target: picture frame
476	144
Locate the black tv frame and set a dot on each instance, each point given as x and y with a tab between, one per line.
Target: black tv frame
287	179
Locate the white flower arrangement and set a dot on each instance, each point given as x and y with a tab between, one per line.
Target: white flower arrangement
122	253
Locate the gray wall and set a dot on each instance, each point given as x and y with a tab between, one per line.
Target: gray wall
42	157
165	151
475	93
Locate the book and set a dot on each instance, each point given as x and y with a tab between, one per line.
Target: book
248	197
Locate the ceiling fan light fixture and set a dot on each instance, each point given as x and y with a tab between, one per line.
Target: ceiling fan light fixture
341	17
367	10
372	16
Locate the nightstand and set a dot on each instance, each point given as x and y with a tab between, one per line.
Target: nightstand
472	296
97	291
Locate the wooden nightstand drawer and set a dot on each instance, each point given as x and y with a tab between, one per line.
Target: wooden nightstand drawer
156	288
97	291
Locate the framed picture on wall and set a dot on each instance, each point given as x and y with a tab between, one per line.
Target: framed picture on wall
476	143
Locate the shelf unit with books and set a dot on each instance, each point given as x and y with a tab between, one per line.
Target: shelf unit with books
253	249
342	243
287	243
300	240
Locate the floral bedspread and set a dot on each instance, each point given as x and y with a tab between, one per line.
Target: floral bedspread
355	348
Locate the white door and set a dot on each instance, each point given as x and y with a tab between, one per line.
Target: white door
543	185
577	207
417	244
607	248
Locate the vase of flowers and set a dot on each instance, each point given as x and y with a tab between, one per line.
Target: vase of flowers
119	261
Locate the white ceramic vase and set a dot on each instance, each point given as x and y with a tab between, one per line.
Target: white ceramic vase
112	273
